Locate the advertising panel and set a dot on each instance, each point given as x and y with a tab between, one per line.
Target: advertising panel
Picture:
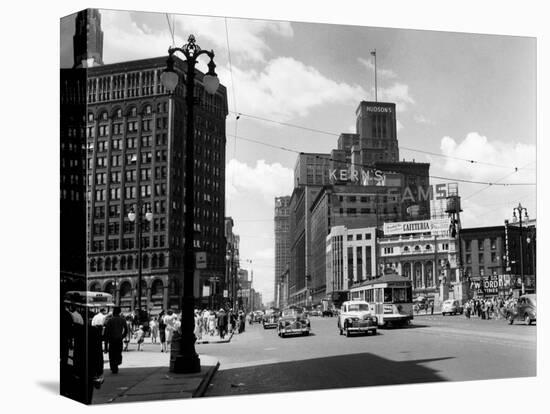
437	227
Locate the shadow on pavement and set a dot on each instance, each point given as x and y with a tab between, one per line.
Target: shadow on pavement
346	371
52	386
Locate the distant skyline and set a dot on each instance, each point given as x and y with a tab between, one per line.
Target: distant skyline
458	95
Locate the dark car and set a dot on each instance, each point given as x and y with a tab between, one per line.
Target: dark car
524	310
327	313
270	319
293	322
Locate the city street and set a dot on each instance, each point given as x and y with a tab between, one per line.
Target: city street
434	348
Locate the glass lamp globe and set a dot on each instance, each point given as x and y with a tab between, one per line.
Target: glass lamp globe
169	80
132	215
149	215
211	83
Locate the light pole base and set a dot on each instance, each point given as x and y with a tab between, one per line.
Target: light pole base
185	364
183	358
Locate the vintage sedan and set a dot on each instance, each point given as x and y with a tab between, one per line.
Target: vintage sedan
270	319
524	310
293	322
355	317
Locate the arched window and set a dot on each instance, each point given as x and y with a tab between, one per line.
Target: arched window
154	262
133	111
108	264
100	264
94	287
109	288
406	248
92	265
147	110
429	267
145	261
90	116
125	290
130	262
114	263
416	248
118	113
428	247
157	288
104	116
123	263
161	260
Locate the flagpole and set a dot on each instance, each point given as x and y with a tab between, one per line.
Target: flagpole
375	77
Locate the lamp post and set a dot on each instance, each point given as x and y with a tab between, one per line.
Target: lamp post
531	242
138	219
187	360
521	214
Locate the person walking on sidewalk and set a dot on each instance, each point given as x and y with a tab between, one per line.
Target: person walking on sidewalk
162	331
140	337
222	323
129	332
153	325
198	325
115	331
169	321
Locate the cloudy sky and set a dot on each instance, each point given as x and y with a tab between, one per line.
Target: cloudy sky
459	97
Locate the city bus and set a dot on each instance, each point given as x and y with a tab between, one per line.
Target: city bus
389	298
89	303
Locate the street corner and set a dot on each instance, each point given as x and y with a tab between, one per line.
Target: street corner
215	340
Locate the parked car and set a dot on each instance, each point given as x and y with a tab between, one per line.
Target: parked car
524	310
451	307
355	317
328	313
293	322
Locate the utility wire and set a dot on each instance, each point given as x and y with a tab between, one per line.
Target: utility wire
401	147
374	167
171	29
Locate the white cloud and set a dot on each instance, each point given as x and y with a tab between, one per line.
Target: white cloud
398	93
286	88
485	205
267	180
478	147
383	73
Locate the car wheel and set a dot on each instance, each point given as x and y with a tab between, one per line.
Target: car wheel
510	319
348	334
528	320
374	332
306	333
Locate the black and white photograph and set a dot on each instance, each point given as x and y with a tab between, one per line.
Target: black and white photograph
262	207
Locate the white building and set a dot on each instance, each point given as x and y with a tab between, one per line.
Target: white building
351	257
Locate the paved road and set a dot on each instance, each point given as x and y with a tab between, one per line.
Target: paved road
435	348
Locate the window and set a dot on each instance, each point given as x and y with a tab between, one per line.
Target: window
130	142
114	211
493	243
468	258
480	244
468	245
493	257
480	258
130	192
359	237
367	236
146	141
146	157
115	176
145	173
115	193
482	271
131	175
115	160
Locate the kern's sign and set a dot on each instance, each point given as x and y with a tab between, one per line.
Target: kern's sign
360	176
438	227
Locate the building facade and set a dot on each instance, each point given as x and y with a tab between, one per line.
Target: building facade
282	242
492	259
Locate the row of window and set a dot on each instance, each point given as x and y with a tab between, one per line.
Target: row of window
126	263
481	258
480	244
128	243
162	107
131	142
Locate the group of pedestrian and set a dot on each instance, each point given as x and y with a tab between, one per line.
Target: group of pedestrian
485	308
218	323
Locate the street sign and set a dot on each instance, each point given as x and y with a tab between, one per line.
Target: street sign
200	260
206	290
225	293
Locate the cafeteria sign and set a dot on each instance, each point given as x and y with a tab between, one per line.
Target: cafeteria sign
438	227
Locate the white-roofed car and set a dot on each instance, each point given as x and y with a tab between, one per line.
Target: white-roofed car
451	307
356	317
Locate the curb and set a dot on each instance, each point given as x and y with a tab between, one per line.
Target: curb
224	341
203	386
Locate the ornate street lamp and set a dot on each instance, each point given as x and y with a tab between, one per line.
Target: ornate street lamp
138	219
521	214
187	360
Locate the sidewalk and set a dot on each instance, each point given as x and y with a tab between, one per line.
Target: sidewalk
133	384
144	376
